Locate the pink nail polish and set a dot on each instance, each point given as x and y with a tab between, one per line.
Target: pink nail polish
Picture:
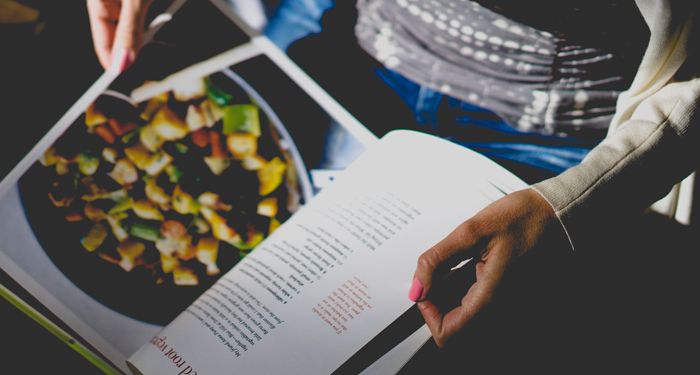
126	58
416	290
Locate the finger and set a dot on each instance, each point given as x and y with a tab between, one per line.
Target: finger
129	32
489	275
462	243
433	319
103	17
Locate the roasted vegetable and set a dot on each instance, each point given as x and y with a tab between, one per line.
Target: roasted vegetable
242	145
94	117
268	207
217	95
167	212
242	118
190	89
147	210
271	176
124	173
130	251
184	276
95	237
168	125
183	203
218	225
144	231
207	252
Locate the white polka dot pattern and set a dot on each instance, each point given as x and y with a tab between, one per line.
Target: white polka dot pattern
534	79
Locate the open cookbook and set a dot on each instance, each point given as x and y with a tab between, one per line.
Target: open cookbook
222	213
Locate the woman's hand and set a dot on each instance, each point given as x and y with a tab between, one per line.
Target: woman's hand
117	28
495	237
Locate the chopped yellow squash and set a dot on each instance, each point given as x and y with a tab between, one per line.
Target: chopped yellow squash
271	176
95	237
268	207
129	251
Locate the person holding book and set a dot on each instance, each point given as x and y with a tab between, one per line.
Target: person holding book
601	120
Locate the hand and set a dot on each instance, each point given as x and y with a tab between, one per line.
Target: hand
495	237
117	29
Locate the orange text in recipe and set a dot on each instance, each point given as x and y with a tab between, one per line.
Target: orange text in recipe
171	354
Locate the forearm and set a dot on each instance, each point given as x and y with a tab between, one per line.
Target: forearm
634	166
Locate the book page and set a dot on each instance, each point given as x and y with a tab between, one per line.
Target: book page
336	273
86	210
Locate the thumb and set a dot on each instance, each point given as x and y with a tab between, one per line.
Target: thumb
461	244
129	33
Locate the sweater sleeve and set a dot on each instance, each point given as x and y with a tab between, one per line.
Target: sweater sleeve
652	139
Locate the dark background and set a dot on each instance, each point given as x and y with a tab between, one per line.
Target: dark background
628	306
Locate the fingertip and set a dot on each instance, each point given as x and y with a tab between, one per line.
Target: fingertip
415	293
122	58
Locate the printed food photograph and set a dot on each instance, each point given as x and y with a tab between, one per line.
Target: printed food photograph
144	205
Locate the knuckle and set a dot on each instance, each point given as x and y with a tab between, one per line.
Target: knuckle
470	227
426	262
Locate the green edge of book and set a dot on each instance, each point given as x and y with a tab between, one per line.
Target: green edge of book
62	335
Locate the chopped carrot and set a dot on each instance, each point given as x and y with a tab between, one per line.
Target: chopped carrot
216	149
74	217
173	229
200	138
105	134
108	258
120	128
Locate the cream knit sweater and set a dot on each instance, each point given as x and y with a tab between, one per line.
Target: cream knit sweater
653	139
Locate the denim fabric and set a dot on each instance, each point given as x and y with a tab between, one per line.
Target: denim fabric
461	122
295	19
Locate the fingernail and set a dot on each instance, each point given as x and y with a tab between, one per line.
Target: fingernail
124	58
416	290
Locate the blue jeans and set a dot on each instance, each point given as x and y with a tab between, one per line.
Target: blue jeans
461	122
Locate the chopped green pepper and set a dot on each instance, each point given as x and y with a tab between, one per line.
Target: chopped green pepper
218	95
121	206
174	173
242	118
129	136
181	148
144	231
253	241
87	164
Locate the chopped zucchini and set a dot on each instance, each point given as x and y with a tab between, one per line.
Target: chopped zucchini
150	138
145	209
168	125
242	145
139	155
158	162
124	173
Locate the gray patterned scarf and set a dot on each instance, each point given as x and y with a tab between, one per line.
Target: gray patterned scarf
535	80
